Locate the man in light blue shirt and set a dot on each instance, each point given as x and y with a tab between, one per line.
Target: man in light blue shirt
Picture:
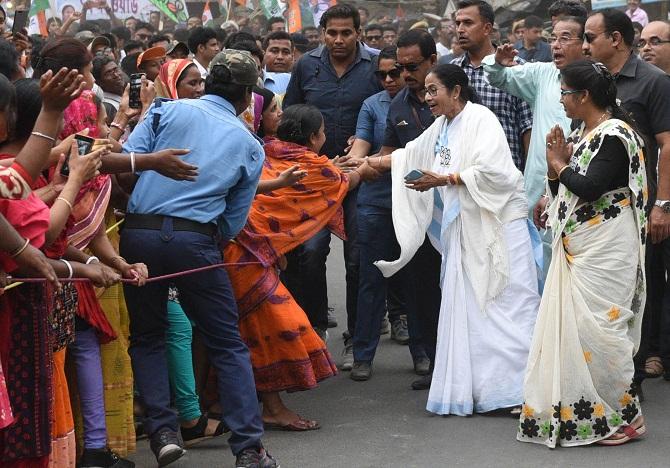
538	84
175	226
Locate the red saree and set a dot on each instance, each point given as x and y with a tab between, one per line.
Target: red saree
286	353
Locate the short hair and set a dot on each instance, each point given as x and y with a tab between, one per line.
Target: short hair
617	20
221	35
419	37
373	27
533	22
90	25
579	20
390	52
198	36
130	45
364	9
309	28
341	11
122	33
277	36
567	8
181	35
158	38
143	25
129	63
275	19
249	46
9	57
238	36
99	62
388	27
218	82
485	9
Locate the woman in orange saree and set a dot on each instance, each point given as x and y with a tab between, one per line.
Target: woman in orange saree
286	353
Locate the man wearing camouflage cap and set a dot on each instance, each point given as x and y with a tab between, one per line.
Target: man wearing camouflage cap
174	226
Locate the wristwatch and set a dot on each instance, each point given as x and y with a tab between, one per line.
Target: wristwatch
663	204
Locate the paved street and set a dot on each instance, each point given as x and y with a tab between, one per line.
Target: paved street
383	423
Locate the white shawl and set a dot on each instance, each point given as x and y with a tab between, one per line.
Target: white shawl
492	194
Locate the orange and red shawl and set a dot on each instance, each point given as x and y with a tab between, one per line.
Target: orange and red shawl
166	83
88	214
286	353
281	220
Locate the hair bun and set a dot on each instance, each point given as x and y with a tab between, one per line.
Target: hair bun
221	73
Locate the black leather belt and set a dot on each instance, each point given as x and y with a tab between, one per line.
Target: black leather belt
155	223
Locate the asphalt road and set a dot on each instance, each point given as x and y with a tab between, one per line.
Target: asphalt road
383	423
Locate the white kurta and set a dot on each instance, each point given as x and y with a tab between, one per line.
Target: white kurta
481	355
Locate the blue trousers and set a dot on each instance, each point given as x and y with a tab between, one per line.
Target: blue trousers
376	240
208	300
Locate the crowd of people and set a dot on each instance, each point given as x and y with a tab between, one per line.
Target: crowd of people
503	200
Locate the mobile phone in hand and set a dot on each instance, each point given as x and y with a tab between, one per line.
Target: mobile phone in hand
135	101
84	146
413	175
20	21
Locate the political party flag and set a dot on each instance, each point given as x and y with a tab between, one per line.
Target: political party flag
294	16
173	9
271	8
206	14
37	9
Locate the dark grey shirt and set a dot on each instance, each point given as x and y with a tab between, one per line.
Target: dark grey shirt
407	119
644	91
540	53
314	81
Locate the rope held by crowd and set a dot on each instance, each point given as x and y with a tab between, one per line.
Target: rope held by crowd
16	281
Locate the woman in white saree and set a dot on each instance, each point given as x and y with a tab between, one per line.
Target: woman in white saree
578	382
468	196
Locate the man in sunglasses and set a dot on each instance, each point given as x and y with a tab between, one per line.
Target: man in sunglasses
373	36
644	91
654	44
408	116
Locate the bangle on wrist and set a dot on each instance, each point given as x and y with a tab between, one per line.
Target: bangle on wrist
20	250
553	179
92	259
132	162
561	171
42	135
70	271
119	126
64	200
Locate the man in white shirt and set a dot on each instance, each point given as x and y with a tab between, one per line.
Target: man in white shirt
204	46
445	33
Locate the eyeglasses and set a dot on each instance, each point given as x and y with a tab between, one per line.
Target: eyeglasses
434	89
654	41
563	40
410	67
394	73
589	38
566	92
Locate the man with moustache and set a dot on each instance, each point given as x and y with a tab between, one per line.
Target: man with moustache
654	44
644	91
278	61
538	84
474	23
408	117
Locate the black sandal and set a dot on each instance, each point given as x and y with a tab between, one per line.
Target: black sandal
196	434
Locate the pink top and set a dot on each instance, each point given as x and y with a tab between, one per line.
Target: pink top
639	16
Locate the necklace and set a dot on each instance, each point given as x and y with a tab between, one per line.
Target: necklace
588	130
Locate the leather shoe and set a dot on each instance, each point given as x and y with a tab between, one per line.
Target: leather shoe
422	366
423	383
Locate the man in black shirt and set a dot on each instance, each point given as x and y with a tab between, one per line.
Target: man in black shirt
408	117
644	91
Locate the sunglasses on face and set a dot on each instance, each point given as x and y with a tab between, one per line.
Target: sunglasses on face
394	73
589	38
654	41
410	67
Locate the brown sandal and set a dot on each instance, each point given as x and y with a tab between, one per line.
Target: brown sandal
653	367
299	425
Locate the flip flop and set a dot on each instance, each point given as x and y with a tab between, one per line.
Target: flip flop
629	432
653	367
299	425
196	434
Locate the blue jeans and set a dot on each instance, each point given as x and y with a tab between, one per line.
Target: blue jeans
376	240
305	276
207	298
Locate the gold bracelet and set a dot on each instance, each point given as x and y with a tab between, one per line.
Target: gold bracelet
42	135
561	171
553	179
20	250
66	202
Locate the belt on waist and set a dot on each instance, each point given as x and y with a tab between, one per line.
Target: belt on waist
155	223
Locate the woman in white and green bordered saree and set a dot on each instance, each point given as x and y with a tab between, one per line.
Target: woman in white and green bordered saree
577	389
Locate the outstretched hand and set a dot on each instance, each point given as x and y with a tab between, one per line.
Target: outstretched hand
59	90
505	55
